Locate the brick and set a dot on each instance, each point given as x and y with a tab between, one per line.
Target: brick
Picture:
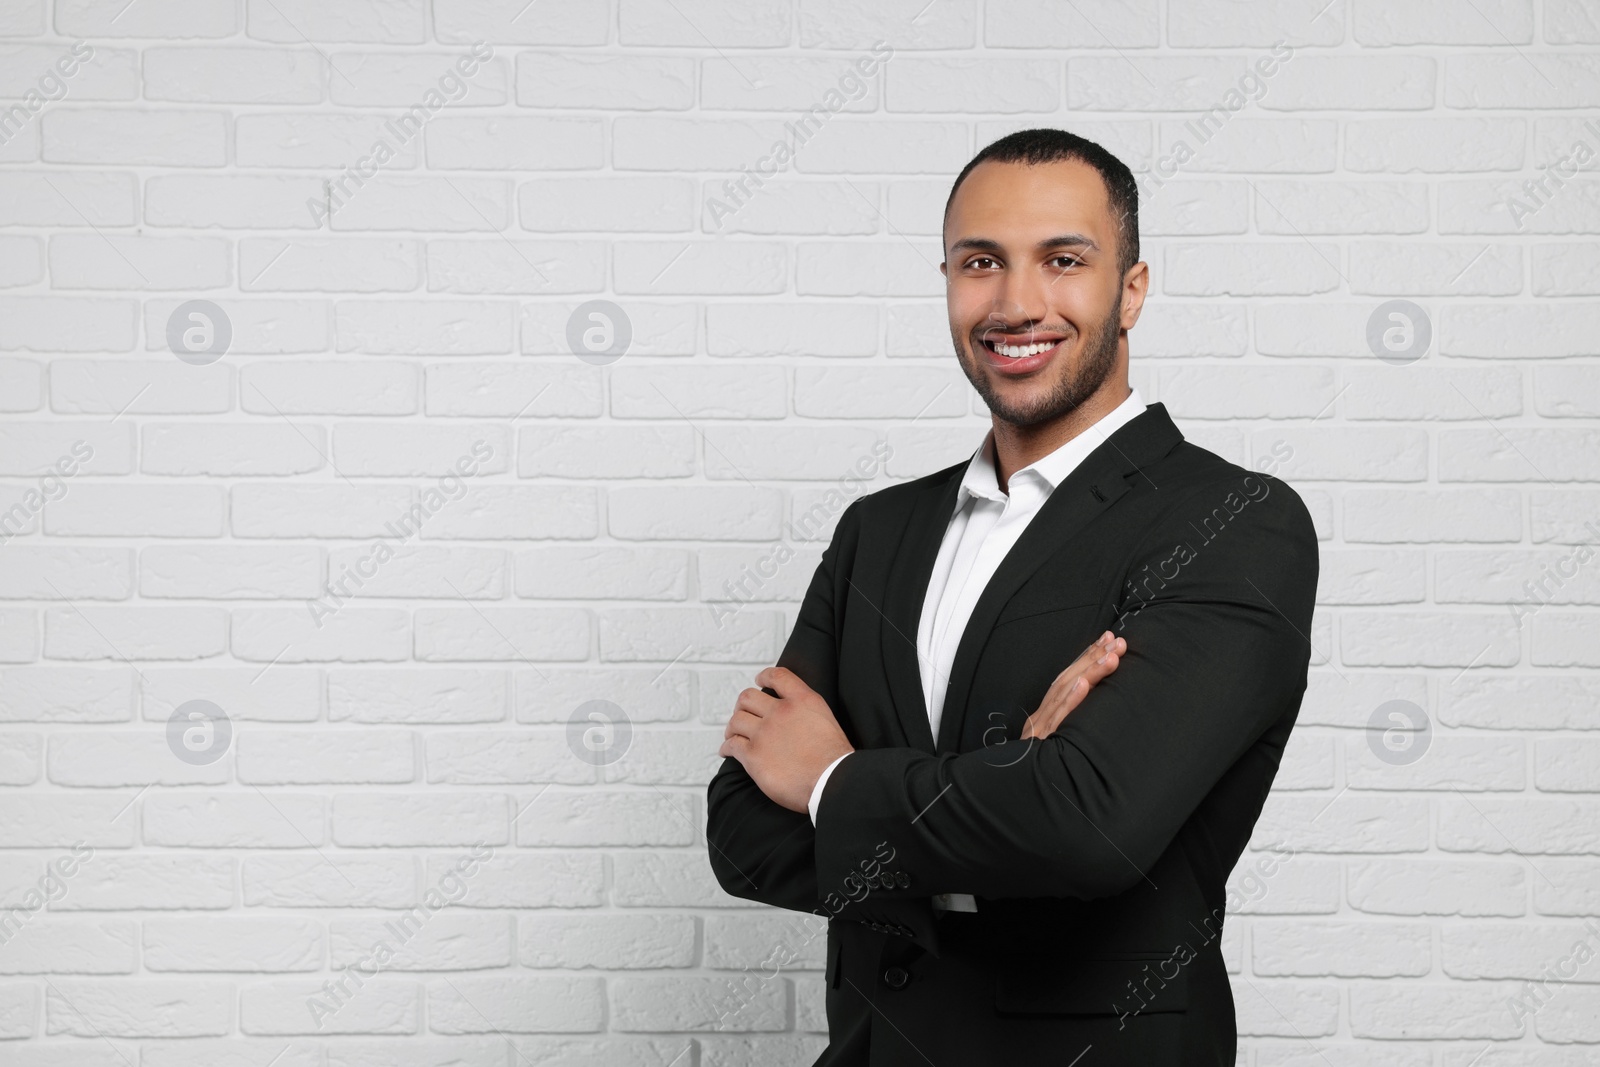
131	138
71	946
319	881
193	19
484	757
500	20
325	141
232	944
233	820
630	83
154	1007
518	143
613	942
242	201
323	756
380	79
364	820
763	24
67	324
233	75
379	1006
515	1005
152	882
1364	949
438	695
423	941
376	21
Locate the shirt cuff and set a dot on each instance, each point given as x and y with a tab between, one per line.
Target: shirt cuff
816	790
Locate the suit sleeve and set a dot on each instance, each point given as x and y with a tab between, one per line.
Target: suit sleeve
1218	645
760	850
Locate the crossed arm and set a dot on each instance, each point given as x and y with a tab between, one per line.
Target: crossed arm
1215	654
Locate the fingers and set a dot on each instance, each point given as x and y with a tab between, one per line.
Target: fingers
751	706
742	724
1106	642
1107	662
1070	687
1054	710
754	702
781	680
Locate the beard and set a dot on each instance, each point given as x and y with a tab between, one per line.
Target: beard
1079	383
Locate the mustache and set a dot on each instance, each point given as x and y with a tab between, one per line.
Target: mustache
1062	332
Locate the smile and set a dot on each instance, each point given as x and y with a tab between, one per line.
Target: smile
1021	351
1017	359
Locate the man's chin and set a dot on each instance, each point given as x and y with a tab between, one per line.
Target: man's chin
1023	403
1031	413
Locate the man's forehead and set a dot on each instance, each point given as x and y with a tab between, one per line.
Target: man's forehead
1000	200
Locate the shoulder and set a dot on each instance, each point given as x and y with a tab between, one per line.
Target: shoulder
1199	486
896	501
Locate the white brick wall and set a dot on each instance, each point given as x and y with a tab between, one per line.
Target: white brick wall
407	764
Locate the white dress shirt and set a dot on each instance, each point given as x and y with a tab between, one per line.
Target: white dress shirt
985	524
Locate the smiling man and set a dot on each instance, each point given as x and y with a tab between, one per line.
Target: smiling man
1021	844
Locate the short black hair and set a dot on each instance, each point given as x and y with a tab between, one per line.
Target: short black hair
1046	145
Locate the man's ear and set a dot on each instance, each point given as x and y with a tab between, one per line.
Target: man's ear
1135	287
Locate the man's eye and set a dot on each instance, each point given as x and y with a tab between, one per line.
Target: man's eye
981	260
1069	261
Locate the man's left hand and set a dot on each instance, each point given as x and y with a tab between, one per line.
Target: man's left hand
785	742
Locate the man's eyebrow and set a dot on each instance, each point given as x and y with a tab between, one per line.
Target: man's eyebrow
1062	240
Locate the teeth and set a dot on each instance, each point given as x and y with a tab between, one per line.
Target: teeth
1020	351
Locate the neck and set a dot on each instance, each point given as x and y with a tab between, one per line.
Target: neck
1017	446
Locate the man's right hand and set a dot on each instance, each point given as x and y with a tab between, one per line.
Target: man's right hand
1073	684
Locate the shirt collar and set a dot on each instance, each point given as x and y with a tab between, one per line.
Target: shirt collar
980	479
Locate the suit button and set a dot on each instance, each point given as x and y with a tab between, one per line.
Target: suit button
902	879
896	977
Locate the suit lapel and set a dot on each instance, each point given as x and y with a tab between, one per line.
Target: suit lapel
907	587
1090	491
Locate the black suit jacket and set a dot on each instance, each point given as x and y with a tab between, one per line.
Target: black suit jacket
1098	855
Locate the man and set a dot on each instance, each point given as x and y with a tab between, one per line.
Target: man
1023	864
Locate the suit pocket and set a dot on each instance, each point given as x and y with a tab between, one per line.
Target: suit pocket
1021	607
1023	656
1129	985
